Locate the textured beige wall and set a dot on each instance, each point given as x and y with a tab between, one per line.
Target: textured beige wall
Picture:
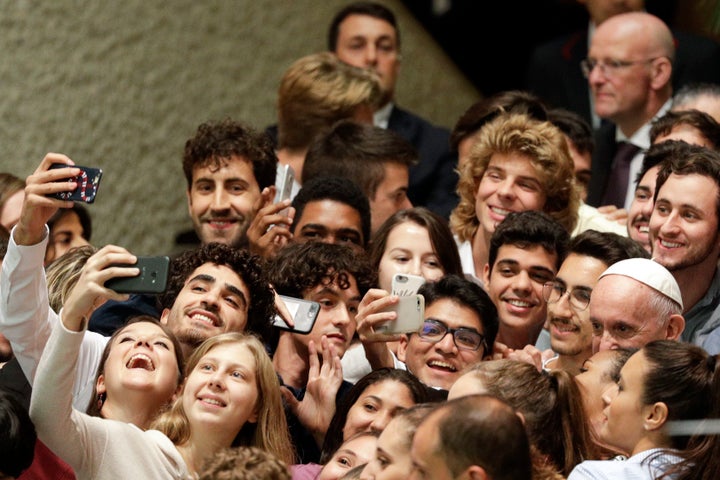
122	85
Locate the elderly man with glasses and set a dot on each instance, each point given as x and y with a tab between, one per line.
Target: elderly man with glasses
629	71
568	296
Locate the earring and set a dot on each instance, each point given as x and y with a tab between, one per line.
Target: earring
100	400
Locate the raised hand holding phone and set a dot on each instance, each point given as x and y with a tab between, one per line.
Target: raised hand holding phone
88	181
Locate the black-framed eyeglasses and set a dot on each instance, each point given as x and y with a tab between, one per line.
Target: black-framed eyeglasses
434	330
609	67
579	297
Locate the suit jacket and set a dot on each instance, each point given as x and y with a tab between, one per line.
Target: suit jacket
554	69
433	179
605	148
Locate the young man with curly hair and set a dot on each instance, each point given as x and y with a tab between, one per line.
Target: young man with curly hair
337	277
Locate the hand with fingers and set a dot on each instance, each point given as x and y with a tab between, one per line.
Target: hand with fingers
532	355
90	291
269	230
317	407
38	207
371	313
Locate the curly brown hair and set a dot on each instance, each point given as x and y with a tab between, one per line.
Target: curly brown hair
300	267
249	267
214	144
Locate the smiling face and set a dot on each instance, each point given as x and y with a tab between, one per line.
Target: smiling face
509	184
622	316
641	208
221	392
439	364
515	286
336	318
213	300
684	223
625	411
570	329
141	358
392	455
408	250
222	201
354	452
376	406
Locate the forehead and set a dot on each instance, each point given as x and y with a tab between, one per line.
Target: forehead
530	257
396	176
650	178
693	190
686	133
616	41
390	390
620	298
513	162
218	274
349	293
405	232
233	168
331	214
635	368
581	270
144	328
359	25
234	352
453	314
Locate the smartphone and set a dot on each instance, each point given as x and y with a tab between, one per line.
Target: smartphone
304	313
152	278
404	284
284	183
410	315
87	184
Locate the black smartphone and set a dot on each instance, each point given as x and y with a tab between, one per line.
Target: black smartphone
152	278
304	313
87	184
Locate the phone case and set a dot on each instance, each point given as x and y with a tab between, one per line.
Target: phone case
88	182
304	313
410	315
152	278
404	284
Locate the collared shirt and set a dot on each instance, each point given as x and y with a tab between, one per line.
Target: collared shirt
702	321
381	118
640	138
645	465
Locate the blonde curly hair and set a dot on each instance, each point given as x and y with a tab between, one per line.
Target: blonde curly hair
547	148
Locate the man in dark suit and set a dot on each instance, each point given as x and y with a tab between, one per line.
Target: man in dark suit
554	69
629	70
365	34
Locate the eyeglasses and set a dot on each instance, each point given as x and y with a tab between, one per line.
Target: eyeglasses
579	297
433	331
610	67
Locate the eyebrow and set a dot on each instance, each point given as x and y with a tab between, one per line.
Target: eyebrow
204	277
534	268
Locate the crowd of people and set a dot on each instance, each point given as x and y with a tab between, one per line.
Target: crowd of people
569	271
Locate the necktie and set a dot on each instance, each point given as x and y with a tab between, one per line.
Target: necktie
617	185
